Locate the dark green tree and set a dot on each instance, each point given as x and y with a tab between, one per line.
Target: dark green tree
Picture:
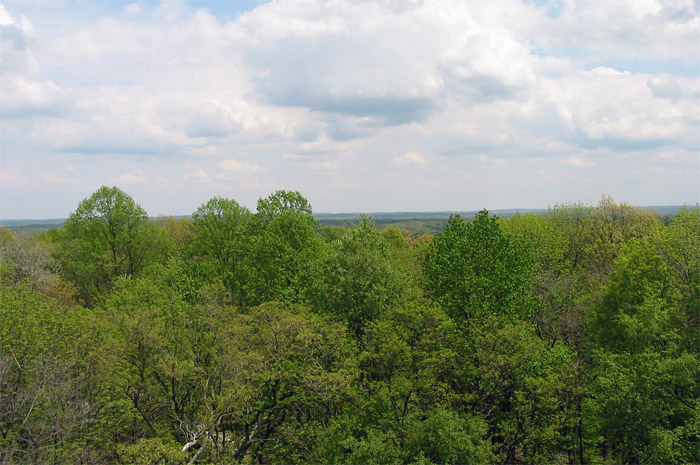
265	377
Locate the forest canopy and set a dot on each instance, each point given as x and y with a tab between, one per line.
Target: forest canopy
233	336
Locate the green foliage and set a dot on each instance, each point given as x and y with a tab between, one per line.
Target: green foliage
43	410
150	452
475	270
645	351
446	437
412	352
188	278
260	338
178	230
574	248
281	251
219	229
269	372
438	437
360	280
679	246
523	388
108	236
280	203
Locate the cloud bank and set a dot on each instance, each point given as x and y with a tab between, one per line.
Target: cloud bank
362	106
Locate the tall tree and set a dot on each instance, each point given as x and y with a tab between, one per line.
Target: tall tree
281	202
645	338
109	235
360	279
45	414
283	248
219	228
476	269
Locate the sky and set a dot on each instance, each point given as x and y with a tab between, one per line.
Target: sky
361	105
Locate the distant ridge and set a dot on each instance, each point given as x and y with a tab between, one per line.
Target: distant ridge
436	218
428	215
32	225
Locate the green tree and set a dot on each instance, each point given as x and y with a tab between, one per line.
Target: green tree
360	279
402	409
108	236
265	376
612	226
438	436
524	388
281	202
178	230
45	415
445	436
645	348
475	270
411	355
283	248
219	228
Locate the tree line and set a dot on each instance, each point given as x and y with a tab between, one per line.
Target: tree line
570	336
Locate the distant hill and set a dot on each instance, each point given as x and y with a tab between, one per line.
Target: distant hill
36	226
415	222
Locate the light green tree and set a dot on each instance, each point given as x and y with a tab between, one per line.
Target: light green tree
643	403
475	270
44	411
283	248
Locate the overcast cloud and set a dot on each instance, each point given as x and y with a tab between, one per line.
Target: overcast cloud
359	105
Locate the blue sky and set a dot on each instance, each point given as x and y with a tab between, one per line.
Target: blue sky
362	106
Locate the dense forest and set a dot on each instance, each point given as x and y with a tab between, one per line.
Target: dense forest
232	336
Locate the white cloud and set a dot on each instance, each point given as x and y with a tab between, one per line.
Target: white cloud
665	86
5	18
492	161
133	9
23	97
210	119
646	29
233	165
323	165
197	174
54	178
299	87
135	177
409	158
579	162
15	41
607	71
10	178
